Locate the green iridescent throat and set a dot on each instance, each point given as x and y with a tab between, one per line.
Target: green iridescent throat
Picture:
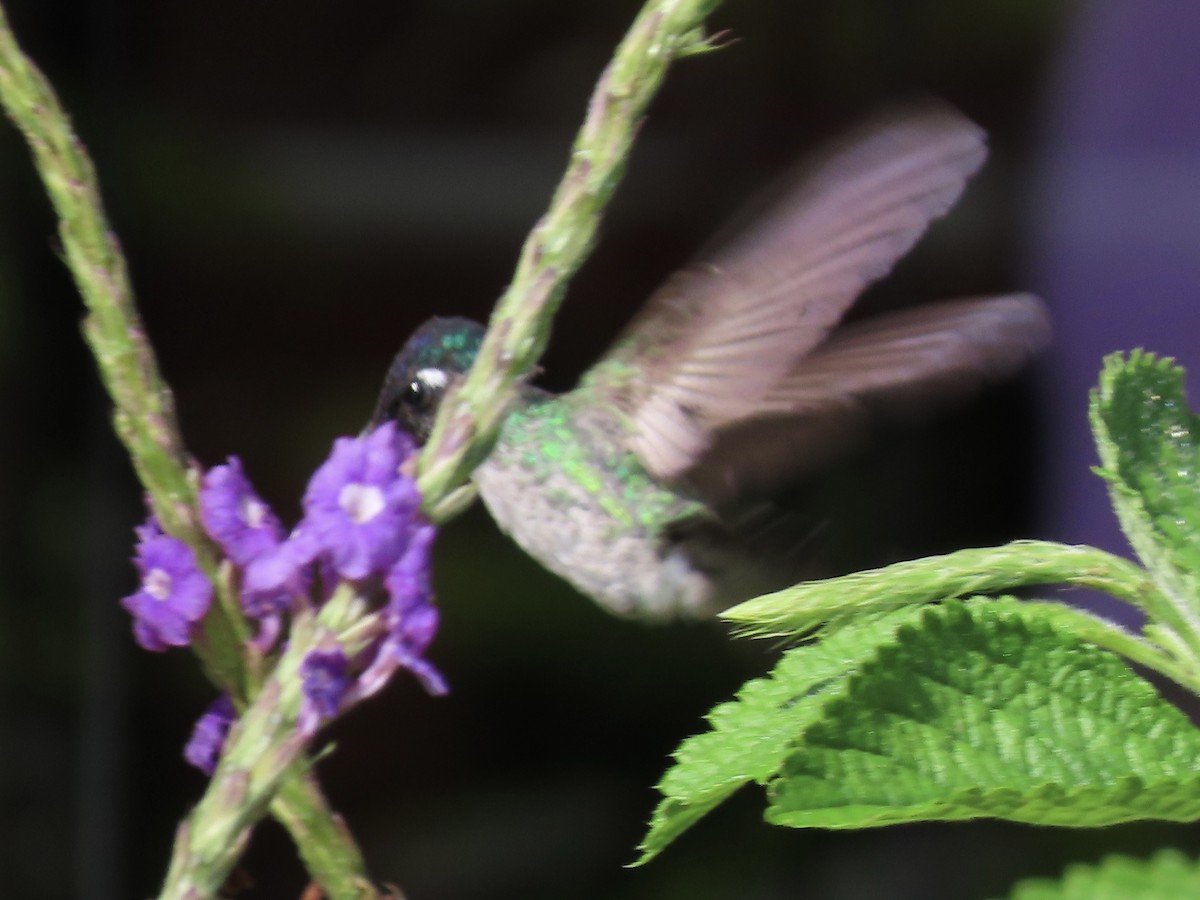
562	440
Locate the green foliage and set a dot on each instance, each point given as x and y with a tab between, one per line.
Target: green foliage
752	735
1167	876
971	709
986	710
903	711
1147	440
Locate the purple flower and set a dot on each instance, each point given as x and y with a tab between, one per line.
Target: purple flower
361	525
174	593
411	616
411	620
208	737
252	537
359	508
398	650
274	580
325	680
236	516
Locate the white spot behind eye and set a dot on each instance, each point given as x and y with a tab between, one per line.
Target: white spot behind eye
435	378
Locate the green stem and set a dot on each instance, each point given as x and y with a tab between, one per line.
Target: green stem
145	411
1155	655
988	570
470	417
263	753
261	750
145	414
328	849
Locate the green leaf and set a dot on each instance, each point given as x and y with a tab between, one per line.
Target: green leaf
752	735
987	710
1167	876
1149	446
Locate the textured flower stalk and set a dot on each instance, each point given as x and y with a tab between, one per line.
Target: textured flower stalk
352	579
470	417
265	747
145	415
262	749
144	411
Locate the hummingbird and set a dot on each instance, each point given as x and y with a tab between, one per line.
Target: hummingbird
734	379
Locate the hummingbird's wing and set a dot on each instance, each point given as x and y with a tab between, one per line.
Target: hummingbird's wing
888	367
712	343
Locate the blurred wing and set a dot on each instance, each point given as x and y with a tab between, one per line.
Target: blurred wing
717	337
889	367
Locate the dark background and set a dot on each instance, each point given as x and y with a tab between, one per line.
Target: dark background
298	185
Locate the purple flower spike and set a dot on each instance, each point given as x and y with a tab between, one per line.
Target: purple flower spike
359	508
149	529
173	595
252	537
274	580
208	737
412	621
411	616
397	653
324	682
236	516
409	590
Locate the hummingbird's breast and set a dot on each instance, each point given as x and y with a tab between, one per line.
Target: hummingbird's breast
562	484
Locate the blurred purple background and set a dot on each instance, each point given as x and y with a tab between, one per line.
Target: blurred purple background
297	186
1113	214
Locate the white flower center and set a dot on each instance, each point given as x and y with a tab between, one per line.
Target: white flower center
254	512
158	584
361	502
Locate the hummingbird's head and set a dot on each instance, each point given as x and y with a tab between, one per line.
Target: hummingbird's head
438	352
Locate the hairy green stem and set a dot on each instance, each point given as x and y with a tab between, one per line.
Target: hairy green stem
327	847
263	763
144	410
145	416
470	417
1149	651
260	751
988	570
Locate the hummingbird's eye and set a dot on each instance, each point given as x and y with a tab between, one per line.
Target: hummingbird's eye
417	395
424	389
